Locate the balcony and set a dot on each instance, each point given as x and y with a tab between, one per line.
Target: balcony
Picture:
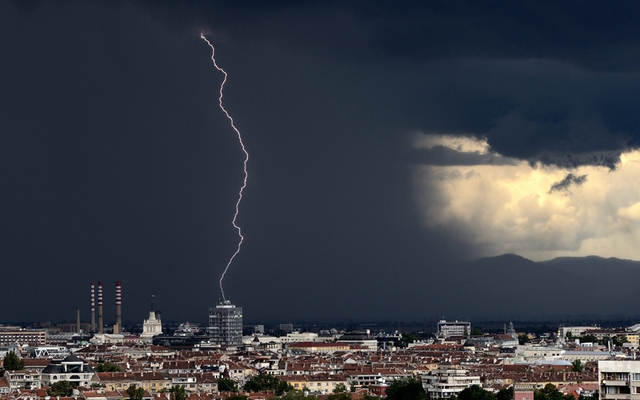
610	382
607	396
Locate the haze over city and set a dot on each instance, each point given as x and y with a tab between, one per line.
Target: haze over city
391	145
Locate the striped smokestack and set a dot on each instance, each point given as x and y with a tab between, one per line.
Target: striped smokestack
77	320
93	308
100	319
118	308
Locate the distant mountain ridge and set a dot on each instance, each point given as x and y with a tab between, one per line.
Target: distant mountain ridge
512	285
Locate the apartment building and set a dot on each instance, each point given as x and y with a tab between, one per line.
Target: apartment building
225	324
448	380
453	328
618	380
23	337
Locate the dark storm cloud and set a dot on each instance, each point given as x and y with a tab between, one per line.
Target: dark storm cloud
115	163
584	34
592	36
540	125
560	137
118	165
570	179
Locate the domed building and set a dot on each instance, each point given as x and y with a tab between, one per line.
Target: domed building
71	368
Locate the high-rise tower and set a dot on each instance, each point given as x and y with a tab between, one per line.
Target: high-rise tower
225	324
118	326
93	308
100	317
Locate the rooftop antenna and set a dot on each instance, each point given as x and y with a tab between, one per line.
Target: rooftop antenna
152	297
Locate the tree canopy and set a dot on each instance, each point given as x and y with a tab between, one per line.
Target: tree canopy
588	338
576	366
262	382
550	392
477	332
12	362
238	397
60	389
227	385
522	339
475	392
178	392
342	395
135	392
108	367
407	338
340	388
410	389
505	394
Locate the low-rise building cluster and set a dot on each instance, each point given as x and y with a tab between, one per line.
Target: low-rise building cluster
106	367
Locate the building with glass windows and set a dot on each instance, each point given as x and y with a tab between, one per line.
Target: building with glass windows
225	324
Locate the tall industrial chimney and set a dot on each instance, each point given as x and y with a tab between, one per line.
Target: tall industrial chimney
118	327
100	319
93	308
77	320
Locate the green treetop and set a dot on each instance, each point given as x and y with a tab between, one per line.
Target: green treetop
12	362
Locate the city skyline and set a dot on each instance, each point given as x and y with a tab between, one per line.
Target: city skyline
390	145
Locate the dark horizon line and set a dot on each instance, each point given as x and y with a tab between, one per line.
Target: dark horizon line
610	320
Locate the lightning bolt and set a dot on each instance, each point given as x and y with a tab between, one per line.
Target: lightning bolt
244	167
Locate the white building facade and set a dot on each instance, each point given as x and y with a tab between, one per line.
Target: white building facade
618	380
151	327
72	369
447	380
453	328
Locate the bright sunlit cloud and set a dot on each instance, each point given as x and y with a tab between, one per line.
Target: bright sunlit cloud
461	143
511	209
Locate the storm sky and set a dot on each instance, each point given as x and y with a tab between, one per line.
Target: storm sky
387	141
